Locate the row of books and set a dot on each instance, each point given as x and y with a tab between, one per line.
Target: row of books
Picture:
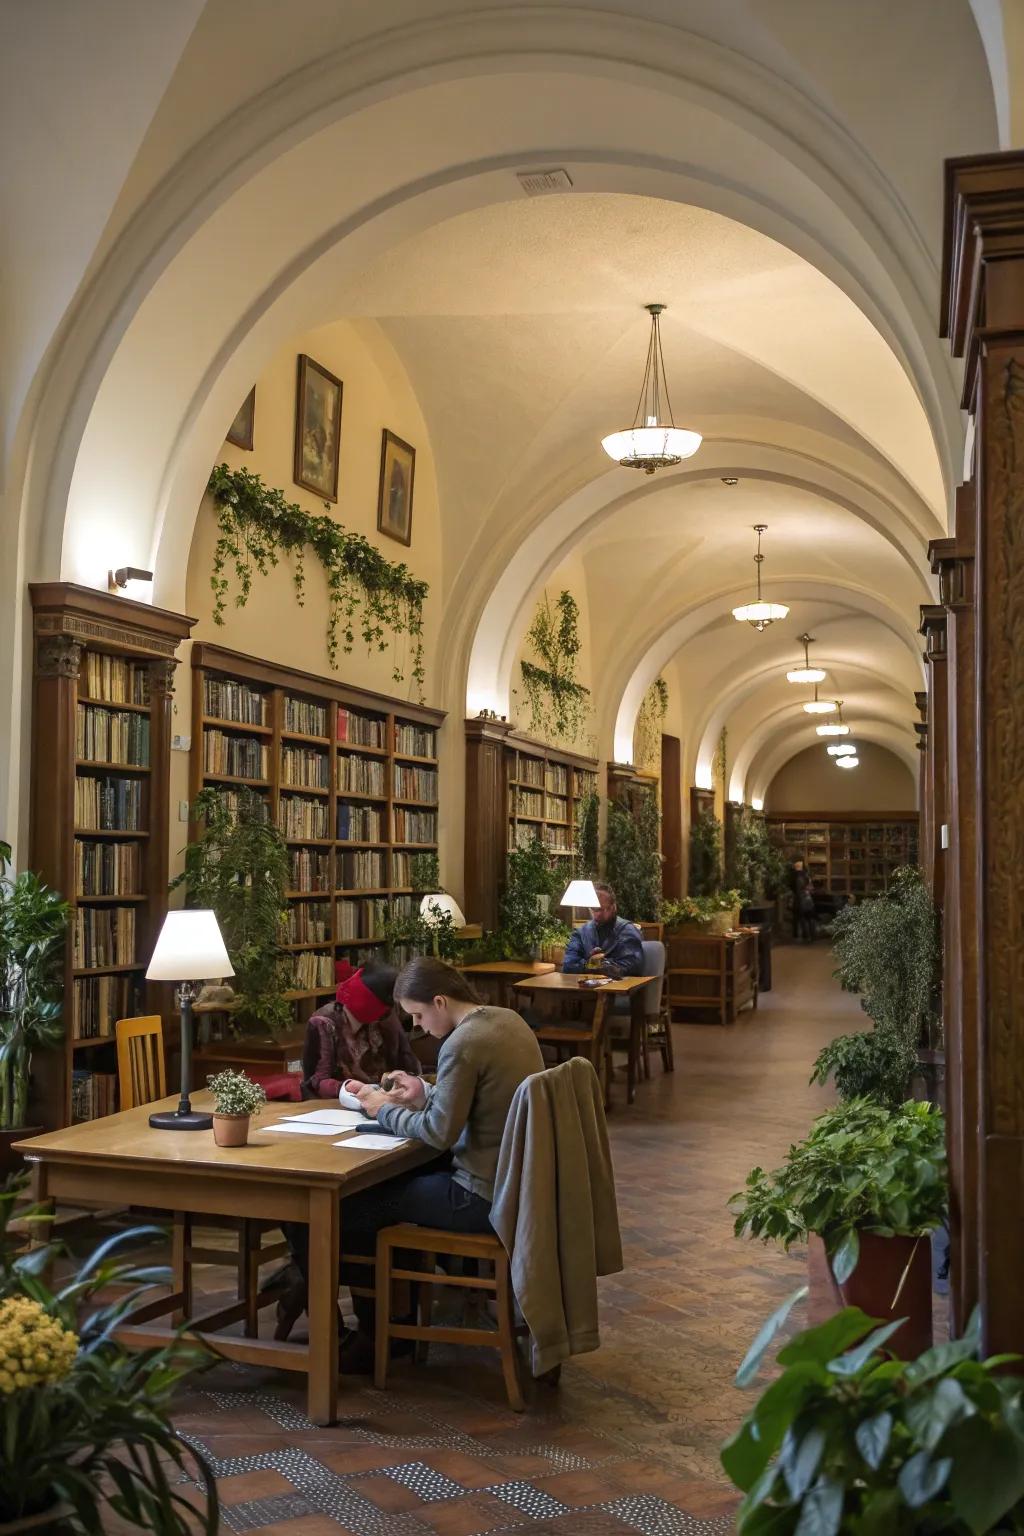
584	782
93	1094
107	869
226	699
306	718
555	808
415	826
556	839
307	922
231	800
111	736
108	805
115	680
360	775
364	869
529	802
311	870
360	919
102	936
361	730
298	817
359	823
313	971
98	1001
416	740
416	783
556	778
305	767
240	757
530	770
522	835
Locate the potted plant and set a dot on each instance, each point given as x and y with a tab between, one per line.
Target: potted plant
33	929
847	1439
236	1099
85	1424
870	1182
699	916
632	859
705	854
876	1063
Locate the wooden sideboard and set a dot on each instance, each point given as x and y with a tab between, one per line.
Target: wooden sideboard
711	975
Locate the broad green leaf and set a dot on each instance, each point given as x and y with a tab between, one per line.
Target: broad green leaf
921	1478
844	1260
872	1437
822	1510
936	1361
821	1344
756	1353
881	1513
744	1457
757	1494
988	1471
929	1415
850	1363
800	1461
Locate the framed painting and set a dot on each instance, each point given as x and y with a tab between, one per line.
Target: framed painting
394	496
317	429
242	430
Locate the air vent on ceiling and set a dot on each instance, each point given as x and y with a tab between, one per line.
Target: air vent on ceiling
540	183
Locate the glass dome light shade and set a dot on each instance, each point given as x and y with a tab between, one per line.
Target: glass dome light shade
842	749
806	675
651	447
760	613
819	707
833	728
847	762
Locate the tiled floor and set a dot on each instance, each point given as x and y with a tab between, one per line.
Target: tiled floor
629	1442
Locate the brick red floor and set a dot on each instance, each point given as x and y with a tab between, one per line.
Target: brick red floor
629	1443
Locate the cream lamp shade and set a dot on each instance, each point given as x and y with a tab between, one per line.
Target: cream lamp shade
431	908
190	948
580	893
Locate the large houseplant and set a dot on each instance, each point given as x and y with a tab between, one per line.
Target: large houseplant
85	1425
33	929
871	1183
238	866
705	854
848	1440
632	860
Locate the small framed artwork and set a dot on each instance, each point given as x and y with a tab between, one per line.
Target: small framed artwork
394	497
317	429
242	429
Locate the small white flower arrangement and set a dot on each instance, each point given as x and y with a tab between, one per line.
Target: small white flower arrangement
236	1098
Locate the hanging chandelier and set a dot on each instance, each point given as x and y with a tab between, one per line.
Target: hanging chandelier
842	749
848	762
759	614
652	442
834	727
818	706
806	673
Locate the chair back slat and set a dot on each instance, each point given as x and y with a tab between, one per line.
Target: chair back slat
141	1075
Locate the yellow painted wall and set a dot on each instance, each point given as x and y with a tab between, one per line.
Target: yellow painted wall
811	782
570	577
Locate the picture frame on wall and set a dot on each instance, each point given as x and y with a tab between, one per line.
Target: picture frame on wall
317	429
242	430
394	495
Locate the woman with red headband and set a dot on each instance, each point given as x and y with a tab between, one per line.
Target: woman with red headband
359	1036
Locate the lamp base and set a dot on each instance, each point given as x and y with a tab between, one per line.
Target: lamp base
181	1120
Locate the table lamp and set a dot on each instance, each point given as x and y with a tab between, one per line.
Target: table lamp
190	949
580	893
433	907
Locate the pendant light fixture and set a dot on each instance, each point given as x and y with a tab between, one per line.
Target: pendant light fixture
834	727
818	706
806	673
842	749
759	614
653	441
848	762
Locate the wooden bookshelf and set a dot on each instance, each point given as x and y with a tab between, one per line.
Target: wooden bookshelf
848	853
350	777
101	732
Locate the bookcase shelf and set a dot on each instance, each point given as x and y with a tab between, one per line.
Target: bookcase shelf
850	854
275	696
103	683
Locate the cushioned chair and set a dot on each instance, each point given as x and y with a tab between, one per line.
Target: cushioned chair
656	1027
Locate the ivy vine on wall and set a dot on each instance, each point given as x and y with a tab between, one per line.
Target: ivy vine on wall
558	704
647	731
256	526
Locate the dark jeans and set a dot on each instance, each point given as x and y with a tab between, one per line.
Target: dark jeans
429	1198
805	926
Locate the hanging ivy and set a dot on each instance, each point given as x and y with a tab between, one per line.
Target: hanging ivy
558	704
256	526
647	732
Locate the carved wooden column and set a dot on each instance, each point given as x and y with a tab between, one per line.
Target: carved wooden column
923	803
933	628
486	818
952	561
983	316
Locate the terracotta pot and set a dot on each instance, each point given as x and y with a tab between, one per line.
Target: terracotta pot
11	1160
874	1284
231	1130
54	1519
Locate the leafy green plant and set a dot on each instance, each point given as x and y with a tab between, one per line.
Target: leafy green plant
705	854
631	858
889	951
33	931
586	837
236	1094
256	525
755	862
647	730
862	1168
239	866
425	873
558	704
875	1062
697	909
411	933
533	880
847	1440
83	1421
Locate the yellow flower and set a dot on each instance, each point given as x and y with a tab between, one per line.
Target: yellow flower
35	1348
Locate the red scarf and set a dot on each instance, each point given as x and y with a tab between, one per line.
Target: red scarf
353	994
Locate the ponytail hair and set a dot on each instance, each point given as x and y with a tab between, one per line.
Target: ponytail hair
425	978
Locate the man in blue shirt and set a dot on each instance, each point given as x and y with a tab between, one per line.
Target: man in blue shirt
608	942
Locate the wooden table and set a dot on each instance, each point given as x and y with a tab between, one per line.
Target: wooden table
121	1160
505	974
596	999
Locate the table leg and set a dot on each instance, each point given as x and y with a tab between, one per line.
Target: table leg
181	1265
637	1025
324	1247
600	1055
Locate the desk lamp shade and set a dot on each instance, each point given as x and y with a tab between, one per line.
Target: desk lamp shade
432	906
580	893
190	948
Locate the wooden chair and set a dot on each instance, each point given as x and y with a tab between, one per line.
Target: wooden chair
429	1242
141	1078
622	1032
582	1038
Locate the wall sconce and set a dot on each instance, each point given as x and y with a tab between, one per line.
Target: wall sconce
118	580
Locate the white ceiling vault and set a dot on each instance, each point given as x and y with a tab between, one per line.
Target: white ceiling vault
739	162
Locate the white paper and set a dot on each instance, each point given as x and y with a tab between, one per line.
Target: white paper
371	1143
348	1100
342	1119
298	1128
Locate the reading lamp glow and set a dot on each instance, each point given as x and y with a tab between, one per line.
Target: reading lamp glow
432	908
189	950
580	893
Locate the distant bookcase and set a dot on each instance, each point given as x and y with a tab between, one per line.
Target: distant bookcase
350	777
101	731
848	854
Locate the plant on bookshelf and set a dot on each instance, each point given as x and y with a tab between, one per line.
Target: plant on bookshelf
586	836
425	874
33	927
256	525
240	867
647	730
631	858
558	704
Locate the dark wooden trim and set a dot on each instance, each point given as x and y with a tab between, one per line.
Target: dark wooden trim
861	816
104	621
215	658
671	818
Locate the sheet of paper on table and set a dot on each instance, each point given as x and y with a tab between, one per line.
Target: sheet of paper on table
371	1143
343	1119
298	1128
